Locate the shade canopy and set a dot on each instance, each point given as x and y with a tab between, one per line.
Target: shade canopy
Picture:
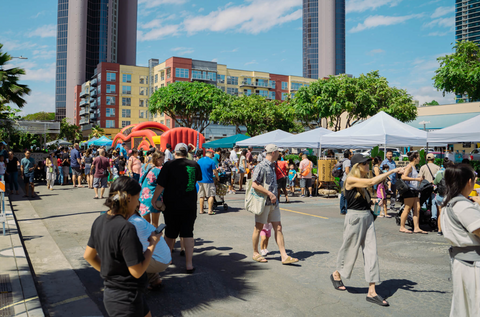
59	143
309	139
103	141
381	129
264	139
466	131
225	142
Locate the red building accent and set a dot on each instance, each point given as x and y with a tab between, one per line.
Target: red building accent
76	105
278	85
102	70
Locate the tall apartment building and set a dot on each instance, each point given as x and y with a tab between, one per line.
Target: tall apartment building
467	20
90	32
323	38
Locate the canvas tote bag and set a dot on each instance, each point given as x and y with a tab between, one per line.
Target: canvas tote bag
254	201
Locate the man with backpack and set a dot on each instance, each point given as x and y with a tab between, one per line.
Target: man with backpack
305	170
346	164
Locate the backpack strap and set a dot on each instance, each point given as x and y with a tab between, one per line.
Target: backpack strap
430	171
449	209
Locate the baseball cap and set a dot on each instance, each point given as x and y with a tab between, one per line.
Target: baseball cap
236	147
430	156
270	148
181	147
210	150
359	158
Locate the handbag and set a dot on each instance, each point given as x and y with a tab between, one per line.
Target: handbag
402	187
254	201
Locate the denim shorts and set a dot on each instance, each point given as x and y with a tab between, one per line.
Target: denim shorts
28	177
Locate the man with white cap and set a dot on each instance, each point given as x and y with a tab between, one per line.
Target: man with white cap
264	175
178	178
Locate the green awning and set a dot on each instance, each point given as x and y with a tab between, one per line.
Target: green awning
442	120
228	142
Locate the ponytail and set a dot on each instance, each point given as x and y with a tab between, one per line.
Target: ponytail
117	199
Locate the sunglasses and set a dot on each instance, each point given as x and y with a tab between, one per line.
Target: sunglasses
364	163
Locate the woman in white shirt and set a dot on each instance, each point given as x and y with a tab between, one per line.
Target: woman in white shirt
461	227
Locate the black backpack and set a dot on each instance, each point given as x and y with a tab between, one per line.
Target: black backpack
338	169
442	187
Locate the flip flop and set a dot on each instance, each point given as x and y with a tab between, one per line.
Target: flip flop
409	232
422	232
211	213
387	216
289	260
337	284
259	258
377	300
95	197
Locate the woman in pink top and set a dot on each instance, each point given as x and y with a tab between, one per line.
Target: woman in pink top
134	165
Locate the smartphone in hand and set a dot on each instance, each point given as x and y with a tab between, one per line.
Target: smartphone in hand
160	228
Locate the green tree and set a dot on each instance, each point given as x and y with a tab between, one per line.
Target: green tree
459	73
69	131
189	104
257	114
10	90
326	102
40	116
431	103
97	132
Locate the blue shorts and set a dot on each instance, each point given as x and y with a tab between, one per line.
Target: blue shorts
291	183
28	178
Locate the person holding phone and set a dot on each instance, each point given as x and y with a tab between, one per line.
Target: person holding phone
115	251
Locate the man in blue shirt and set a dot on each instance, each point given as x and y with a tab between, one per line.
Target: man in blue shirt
216	157
206	185
75	163
391	164
27	167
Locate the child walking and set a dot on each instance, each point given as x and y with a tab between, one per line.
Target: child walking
382	198
265	235
292	175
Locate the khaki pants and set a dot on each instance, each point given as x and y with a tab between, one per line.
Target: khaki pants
154	268
466	289
359	232
51	179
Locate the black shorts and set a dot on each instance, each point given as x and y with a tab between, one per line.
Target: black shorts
282	183
411	193
125	303
179	223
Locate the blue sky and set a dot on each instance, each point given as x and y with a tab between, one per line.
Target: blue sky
400	38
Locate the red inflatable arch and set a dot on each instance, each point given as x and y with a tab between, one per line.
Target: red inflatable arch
142	135
181	135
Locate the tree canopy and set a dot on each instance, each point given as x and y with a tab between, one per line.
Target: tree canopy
431	103
11	91
97	132
69	131
40	116
189	104
351	98
257	114
459	73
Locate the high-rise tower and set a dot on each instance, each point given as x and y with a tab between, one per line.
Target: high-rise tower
323	38
467	20
90	32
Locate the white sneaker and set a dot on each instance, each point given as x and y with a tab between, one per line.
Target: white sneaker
263	252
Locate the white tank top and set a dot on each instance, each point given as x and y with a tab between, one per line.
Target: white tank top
413	174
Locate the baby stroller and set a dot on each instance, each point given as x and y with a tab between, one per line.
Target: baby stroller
426	190
221	190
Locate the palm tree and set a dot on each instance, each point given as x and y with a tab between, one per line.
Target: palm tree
10	90
97	132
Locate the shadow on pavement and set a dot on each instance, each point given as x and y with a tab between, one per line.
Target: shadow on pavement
66	215
388	288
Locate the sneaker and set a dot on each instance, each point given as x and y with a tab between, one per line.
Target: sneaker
263	252
303	196
310	196
440	233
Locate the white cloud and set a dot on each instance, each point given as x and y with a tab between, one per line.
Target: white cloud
445	22
251	63
441	11
39	101
158	33
428	93
381	20
44	74
364	5
45	31
255	17
44	54
215	60
376	51
183	50
156	3
201	9
13	45
230	51
440	33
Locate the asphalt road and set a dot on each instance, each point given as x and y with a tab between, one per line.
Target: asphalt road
414	268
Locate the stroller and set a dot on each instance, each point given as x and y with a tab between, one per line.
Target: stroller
426	190
221	190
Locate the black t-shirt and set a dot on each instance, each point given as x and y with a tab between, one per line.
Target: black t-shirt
121	165
179	177
116	242
358	203
12	165
65	159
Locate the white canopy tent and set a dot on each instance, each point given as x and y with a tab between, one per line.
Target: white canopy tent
264	139
466	131
59	143
309	139
381	129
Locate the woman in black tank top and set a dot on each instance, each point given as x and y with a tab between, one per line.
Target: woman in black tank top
359	228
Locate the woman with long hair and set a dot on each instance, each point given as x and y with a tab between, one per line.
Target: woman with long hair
148	180
51	166
439	181
461	226
88	160
410	198
359	229
115	251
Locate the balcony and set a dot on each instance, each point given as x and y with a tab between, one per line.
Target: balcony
84	93
93	117
83	112
254	84
94	82
83	103
93	105
93	93
84	121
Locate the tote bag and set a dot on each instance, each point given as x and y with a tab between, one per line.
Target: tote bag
254	201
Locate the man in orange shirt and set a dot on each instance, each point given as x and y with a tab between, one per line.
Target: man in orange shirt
281	169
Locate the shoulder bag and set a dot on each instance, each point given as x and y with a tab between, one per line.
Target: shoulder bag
254	200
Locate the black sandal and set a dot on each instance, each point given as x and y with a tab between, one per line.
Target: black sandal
377	300
337	284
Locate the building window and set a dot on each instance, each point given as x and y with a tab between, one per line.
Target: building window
110	124
126	113
110	112
168	123
162	85
110	100
296	86
126	101
247	92
144	80
162	121
272	84
141	102
111	76
143	91
169	73
127	90
284	95
231	80
222	88
141	114
232	91
127	78
111	89
163	76
181	72
284	85
156	78
262	93
221	79
125	123
271	94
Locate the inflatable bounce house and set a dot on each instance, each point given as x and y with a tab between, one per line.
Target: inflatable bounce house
146	134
